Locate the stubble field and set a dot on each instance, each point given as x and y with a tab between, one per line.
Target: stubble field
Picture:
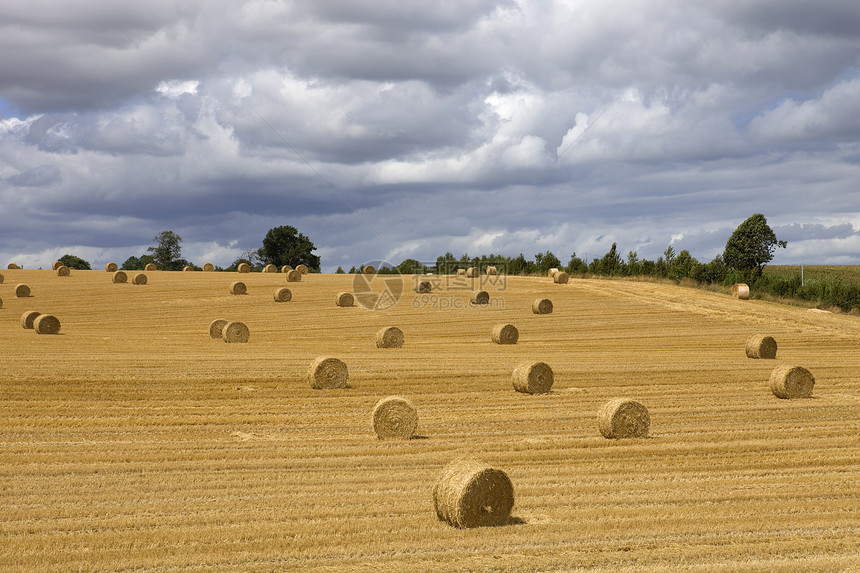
132	441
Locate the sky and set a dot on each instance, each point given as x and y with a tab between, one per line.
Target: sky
389	129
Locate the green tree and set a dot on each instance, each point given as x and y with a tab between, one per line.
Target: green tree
74	262
284	245
167	250
137	263
751	246
546	261
611	263
683	266
411	267
339	271
576	265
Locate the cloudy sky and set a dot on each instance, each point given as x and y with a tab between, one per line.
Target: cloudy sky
387	129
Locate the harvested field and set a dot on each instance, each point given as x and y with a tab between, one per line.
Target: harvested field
154	448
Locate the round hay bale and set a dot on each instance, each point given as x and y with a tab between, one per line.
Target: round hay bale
28	318
344	299
187	268
150	267
270	268
789	382
542	306
560	278
461	272
111	267
552	272
369	270
120	277
238	287
481	297
139	279
63	271
235	331
623	418
505	334
46	324
216	327
470	493
2	278
492	271
12	266
294	276
283	294
394	418
286	268
389	337
56	265
760	346
741	291
22	291
473	272
533	378
303	269
243	268
208	267
327	372
424	287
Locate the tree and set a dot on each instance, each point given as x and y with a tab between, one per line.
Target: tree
546	261
576	265
137	263
751	246
284	245
339	271
166	250
74	262
411	267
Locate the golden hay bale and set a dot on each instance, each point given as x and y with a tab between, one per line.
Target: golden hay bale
294	276
243	268
208	267
28	318
139	279
533	378
22	291
120	277
327	372
150	267
424	287
56	265
741	291
235	331
344	299
216	327
63	271
389	337
481	297
818	311
492	271
542	306
238	287
470	493
286	268
369	270
303	269
560	278
461	272
791	382
623	418
505	334
270	268
187	268
46	324
111	267
395	418
12	266
551	273
283	294
760	346
473	272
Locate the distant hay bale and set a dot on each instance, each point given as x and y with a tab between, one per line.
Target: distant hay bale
22	291
818	311
327	372
111	267
461	272
623	418
150	267
505	334
187	268
542	306
473	272
216	327
389	337
470	493
46	324
243	268
139	279
560	278
13	266
120	277
760	346
270	268
56	265
235	331
789	382
395	418
481	297
344	299
294	276
303	269
286	268
283	294
551	273
492	271
369	270
532	378
238	287
208	267
63	271
28	318
741	291
424	287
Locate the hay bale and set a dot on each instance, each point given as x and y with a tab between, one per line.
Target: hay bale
470	493
492	271
533	378
389	337
294	276
623	418
56	265
327	372
150	267
344	299
208	267
473	272
22	291
505	334
187	268
283	294
760	346
818	311
139	279
560	278
216	327
741	291
46	324
369	270
551	273
395	418
481	297
542	306
120	277
28	318
270	268
13	266
235	331
243	268
63	271
238	287
303	269
424	287
461	272
111	267
286	268
789	382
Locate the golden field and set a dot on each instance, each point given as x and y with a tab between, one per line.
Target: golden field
132	441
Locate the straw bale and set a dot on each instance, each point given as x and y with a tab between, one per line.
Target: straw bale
139	279
286	268
492	271
13	266
238	287
481	297
63	271
111	267
369	270
741	291
542	306
789	382
505	334
283	294
22	291
389	337
560	278
473	272
761	346
551	273
303	269
623	418
461	272
208	267
344	299
395	418
424	287
120	277
327	372
56	265
532	377
470	493
28	318
243	268
150	267
235	331
46	324
270	268
294	276
216	327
